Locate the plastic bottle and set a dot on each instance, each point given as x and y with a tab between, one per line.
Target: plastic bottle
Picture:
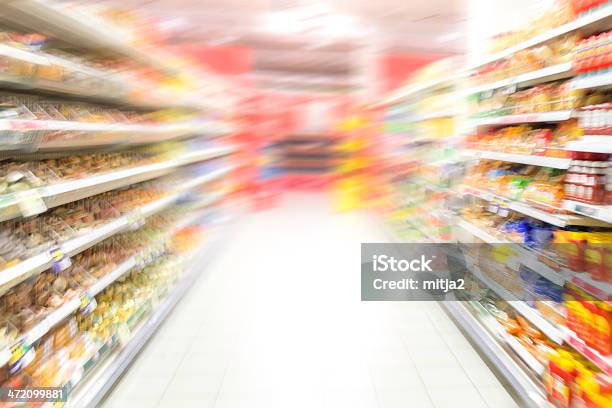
588	320
594	257
560	376
602	328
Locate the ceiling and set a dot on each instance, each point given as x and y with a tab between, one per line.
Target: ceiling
421	26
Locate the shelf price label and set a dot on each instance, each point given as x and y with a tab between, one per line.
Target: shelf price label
135	219
61	261
493	208
88	304
21	356
585	210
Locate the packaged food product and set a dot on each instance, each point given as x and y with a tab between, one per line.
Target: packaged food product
559	378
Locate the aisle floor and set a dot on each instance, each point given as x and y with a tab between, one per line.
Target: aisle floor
276	321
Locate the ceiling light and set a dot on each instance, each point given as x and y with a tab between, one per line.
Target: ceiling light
280	22
452	36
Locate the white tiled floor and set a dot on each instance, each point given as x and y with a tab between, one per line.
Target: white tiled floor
277	321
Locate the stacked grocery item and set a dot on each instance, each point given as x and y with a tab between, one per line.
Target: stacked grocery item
23	57
573	381
593	54
101	206
555	96
589	179
22	175
90	290
39	122
73	347
29	57
561	12
557	51
539	186
596	119
544	140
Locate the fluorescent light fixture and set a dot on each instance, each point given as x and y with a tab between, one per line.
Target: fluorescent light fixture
280	22
448	37
316	19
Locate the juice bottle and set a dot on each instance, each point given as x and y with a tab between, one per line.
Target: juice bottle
571	312
581	320
607	243
560	376
602	328
571	244
598	392
590	311
583	384
594	256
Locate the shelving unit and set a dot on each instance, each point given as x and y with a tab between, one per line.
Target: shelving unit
23	270
544	161
552	73
559	220
180	141
521	369
541	117
587	23
91	391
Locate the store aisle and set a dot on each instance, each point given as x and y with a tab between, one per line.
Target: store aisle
277	321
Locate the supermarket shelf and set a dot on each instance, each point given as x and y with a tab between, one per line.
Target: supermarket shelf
82	30
59	88
523	353
539	76
599	18
435	115
93	389
560	220
103	86
71	306
603	362
425	233
533	315
410	90
11	276
527	389
528	258
200	210
600	212
543	161
594	80
480	233
117	97
541	117
591	143
600	290
65	192
23	134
